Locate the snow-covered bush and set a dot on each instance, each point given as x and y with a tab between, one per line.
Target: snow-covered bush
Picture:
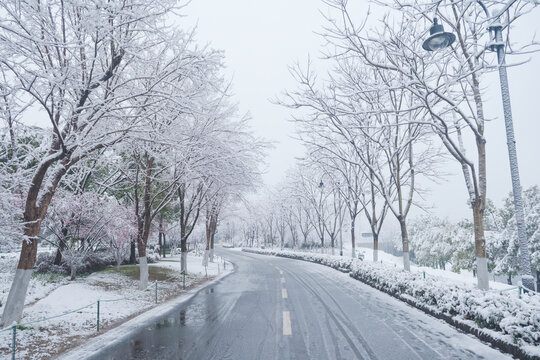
83	225
152	256
45	264
88	263
518	320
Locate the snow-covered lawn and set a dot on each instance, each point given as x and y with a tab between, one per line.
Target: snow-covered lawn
502	315
119	298
464	277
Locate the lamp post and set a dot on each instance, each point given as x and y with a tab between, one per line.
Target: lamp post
440	39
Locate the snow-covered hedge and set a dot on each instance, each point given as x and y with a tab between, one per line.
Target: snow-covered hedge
507	317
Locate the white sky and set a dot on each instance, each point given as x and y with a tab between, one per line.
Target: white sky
262	38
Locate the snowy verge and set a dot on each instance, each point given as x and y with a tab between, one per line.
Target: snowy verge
63	314
123	332
500	318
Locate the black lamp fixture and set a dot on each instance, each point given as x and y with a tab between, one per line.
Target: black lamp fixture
438	39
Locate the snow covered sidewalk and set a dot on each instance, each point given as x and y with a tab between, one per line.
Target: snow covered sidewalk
119	301
500	317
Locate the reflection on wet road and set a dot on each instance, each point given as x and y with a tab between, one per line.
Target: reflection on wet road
275	308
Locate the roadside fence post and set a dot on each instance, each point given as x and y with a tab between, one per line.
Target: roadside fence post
14	342
520	290
424	274
98	316
155	282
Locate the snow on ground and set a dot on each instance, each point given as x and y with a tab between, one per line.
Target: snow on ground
40	285
44	339
195	265
464	277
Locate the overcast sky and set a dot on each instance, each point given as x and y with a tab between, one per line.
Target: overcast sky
262	38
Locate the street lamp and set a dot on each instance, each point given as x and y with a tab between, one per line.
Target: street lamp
438	40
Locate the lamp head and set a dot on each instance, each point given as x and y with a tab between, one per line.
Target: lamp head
438	38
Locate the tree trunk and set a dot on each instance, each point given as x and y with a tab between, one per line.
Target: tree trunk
73	272
183	257
61	247
375	247
17	294
405	244
58	257
160	242
509	279
33	215
353	237
164	246
211	254
143	266
132	254
207	248
183	262
480	246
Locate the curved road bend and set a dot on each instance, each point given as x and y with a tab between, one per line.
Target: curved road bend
276	308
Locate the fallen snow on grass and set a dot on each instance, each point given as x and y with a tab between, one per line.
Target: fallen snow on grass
120	299
40	284
464	277
194	265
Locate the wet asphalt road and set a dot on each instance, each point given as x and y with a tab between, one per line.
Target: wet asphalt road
276	308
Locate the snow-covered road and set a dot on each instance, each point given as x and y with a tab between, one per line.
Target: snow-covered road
277	308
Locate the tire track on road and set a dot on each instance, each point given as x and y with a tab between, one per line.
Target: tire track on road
341	323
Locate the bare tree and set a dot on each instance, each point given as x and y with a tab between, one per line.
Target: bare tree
76	67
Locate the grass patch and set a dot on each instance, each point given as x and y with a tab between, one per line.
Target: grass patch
48	277
133	272
22	327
